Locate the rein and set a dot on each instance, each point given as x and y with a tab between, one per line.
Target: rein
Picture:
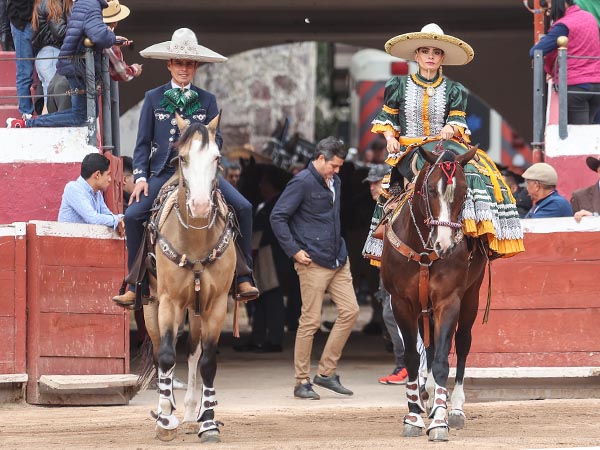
197	266
426	258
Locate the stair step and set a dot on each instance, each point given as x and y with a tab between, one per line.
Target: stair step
8	68
7	111
10	91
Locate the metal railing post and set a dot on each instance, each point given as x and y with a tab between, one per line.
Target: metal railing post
107	138
90	89
563	132
116	128
538	106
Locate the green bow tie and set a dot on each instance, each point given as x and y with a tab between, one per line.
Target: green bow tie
185	100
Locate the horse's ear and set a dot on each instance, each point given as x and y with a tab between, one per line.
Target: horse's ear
181	124
466	157
213	125
427	156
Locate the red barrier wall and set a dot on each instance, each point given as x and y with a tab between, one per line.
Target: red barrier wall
73	328
545	309
12	299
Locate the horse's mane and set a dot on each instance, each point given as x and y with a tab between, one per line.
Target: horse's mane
189	133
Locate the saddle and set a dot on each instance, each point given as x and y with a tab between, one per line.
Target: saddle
145	260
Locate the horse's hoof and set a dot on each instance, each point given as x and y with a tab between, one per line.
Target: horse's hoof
190	427
210	436
412	431
456	421
165	435
439	434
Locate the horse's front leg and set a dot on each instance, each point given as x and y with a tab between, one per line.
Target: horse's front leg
169	319
413	421
468	314
212	322
446	316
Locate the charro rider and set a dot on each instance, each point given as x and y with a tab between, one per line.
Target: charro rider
423	107
153	151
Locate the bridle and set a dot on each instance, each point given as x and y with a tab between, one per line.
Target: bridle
449	169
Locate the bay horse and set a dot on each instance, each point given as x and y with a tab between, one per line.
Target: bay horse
434	272
194	271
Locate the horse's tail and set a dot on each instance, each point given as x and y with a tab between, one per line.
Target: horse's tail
147	366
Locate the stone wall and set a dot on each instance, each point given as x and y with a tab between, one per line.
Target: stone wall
255	89
260	87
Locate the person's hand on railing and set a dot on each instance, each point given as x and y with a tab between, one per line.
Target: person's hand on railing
123	41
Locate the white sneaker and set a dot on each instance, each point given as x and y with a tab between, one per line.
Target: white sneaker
26	116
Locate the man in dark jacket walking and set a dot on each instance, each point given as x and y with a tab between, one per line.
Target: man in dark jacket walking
85	21
306	222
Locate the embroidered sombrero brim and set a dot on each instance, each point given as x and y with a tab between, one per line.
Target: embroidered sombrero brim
195	52
456	51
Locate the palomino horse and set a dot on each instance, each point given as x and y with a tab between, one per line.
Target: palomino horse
432	271
195	267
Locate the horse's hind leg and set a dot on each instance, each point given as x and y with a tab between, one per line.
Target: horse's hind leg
212	323
191	395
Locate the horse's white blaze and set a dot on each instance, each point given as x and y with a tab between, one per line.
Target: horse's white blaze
444	234
199	173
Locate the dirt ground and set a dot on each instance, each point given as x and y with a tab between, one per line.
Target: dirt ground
259	411
498	425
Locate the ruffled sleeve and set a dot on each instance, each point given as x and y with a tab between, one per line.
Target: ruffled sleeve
388	117
457	105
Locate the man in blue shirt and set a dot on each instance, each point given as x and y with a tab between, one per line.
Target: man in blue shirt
541	186
306	222
82	200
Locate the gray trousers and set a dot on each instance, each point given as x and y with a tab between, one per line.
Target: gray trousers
393	330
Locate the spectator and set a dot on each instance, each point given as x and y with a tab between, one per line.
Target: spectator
270	260
583	74
586	202
6	39
85	21
306	222
82	200
522	199
119	70
377	151
19	15
49	23
128	183
232	173
153	150
541	185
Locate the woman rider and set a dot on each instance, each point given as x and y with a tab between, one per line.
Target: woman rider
423	107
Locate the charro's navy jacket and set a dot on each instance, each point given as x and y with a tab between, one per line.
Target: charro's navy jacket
158	129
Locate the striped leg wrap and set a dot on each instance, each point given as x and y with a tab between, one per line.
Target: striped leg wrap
206	415
413	395
440	406
166	401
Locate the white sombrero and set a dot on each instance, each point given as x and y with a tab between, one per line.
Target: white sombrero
183	45
456	51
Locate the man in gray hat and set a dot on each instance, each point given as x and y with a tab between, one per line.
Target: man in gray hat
541	185
586	202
